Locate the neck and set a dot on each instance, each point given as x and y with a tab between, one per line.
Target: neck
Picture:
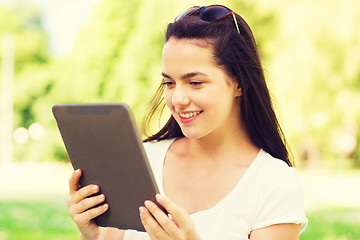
223	145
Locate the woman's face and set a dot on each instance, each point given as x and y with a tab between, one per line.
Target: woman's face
200	95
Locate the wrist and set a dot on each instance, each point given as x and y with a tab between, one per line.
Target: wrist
97	236
84	238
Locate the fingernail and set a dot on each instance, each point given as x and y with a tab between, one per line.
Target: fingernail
147	204
141	210
95	188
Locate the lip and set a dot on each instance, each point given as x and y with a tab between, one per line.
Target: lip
190	119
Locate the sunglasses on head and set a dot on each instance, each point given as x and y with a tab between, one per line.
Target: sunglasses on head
211	13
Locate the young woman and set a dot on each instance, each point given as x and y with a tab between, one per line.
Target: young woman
221	160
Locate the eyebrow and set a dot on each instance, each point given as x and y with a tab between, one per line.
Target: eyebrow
186	75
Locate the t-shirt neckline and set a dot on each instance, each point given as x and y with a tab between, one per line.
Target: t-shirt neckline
238	185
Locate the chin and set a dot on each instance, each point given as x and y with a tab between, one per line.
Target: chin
193	135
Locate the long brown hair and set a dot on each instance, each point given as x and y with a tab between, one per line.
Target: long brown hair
237	54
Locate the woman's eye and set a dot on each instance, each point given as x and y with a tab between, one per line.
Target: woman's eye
168	84
195	83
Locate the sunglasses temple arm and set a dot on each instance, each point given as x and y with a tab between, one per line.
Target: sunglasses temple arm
236	24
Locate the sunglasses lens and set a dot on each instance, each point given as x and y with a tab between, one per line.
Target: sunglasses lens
210	13
214	13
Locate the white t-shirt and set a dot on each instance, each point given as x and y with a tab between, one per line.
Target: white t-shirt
269	193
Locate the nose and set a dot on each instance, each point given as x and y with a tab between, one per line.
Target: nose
180	97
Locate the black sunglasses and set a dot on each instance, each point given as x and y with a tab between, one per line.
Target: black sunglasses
211	13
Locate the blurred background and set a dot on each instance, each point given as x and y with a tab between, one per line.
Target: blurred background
56	51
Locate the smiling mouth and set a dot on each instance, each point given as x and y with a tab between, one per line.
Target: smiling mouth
190	114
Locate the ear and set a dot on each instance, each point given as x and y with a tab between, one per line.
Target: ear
238	91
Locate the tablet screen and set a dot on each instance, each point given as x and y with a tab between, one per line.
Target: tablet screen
103	141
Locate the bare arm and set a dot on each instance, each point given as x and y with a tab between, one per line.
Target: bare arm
286	231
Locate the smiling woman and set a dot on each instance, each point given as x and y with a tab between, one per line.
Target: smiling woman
221	161
193	79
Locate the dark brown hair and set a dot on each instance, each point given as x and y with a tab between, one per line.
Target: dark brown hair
237	54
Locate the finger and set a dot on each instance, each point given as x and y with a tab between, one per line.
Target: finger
85	217
85	192
180	216
151	226
86	204
74	181
168	225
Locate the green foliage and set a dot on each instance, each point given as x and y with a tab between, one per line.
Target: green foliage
24	22
117	55
32	71
309	50
315	67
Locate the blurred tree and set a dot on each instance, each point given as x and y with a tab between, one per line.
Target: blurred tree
117	55
310	51
315	62
23	21
31	42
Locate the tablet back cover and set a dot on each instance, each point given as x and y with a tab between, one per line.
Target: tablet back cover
103	141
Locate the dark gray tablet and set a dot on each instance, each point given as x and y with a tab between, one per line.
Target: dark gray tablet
103	141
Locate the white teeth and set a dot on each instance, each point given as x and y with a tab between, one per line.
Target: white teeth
189	115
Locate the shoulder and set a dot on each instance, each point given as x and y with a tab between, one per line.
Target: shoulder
278	191
156	150
273	170
277	184
157	147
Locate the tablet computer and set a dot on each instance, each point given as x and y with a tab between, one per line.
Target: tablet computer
102	139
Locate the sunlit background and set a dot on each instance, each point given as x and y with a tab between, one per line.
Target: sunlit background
55	51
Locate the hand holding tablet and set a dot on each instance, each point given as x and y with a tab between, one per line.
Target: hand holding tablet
103	141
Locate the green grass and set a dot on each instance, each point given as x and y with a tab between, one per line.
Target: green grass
333	224
36	220
50	220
